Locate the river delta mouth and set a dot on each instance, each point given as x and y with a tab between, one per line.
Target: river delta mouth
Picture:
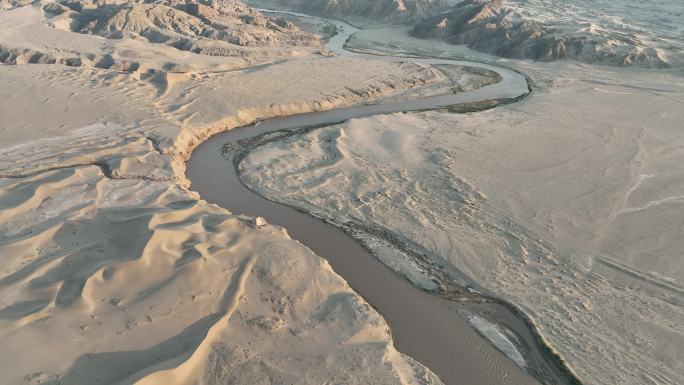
435	323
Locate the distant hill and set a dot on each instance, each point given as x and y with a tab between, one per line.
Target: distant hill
508	29
186	25
365	11
609	32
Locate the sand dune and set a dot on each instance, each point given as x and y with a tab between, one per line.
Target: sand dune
131	281
113	271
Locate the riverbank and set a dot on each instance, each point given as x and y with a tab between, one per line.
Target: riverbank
114	272
528	211
206	172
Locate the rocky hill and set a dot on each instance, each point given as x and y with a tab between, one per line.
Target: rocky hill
614	33
364	11
201	27
148	35
9	4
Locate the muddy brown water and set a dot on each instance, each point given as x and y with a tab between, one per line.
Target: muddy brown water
427	327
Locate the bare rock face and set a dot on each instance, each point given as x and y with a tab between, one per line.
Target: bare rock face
383	11
147	35
508	29
188	25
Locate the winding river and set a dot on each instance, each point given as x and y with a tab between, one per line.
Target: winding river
434	328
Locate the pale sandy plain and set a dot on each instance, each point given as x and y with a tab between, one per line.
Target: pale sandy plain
568	204
113	271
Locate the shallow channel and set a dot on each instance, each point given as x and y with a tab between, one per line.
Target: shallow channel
428	327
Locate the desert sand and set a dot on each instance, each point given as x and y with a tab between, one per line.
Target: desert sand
113	271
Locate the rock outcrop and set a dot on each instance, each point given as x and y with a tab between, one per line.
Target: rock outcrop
201	27
148	35
508	29
364	11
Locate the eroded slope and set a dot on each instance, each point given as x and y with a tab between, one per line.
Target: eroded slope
363	11
143	35
606	32
113	271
